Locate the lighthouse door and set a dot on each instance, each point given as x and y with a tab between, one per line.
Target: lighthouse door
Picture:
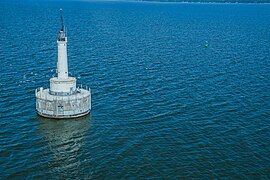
60	108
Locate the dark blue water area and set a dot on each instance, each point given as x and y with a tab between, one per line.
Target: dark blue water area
165	103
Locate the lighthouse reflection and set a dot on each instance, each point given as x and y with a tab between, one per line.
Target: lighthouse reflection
66	140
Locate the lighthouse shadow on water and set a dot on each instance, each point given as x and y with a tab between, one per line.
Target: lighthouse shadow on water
63	99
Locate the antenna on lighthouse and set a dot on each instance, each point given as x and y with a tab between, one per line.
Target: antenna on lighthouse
61	34
62	20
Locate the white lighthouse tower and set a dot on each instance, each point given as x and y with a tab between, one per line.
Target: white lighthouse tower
63	99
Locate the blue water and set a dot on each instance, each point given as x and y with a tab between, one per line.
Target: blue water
163	104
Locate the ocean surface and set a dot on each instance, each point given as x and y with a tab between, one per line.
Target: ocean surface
178	90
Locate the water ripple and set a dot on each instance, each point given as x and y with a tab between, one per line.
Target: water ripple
164	105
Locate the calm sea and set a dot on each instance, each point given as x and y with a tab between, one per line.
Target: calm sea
178	90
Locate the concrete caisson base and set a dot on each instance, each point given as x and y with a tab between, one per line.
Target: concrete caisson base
61	107
63	116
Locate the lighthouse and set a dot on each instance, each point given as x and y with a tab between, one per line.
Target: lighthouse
64	99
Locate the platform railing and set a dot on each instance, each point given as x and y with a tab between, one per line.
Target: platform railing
81	86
